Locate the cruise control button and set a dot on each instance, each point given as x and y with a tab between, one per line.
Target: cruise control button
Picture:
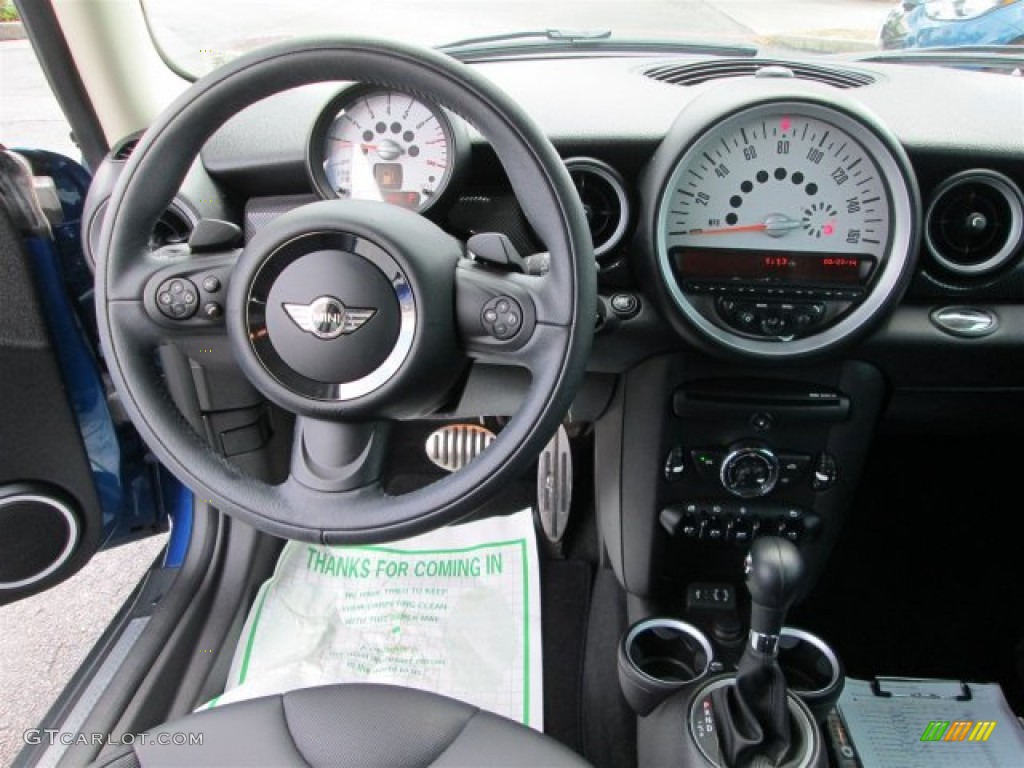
165	298
490	316
177	286
211	284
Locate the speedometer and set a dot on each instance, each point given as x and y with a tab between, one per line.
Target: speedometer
781	181
383	144
782	227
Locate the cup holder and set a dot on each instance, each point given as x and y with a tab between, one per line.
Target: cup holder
658	657
812	670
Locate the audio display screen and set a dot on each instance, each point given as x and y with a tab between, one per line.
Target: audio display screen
771	266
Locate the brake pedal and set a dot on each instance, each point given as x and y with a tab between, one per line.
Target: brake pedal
453	446
554	486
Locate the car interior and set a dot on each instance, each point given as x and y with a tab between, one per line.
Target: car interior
743	328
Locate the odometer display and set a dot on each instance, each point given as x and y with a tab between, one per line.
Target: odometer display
770	268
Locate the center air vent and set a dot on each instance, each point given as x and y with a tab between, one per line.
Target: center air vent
604	201
974	222
695	73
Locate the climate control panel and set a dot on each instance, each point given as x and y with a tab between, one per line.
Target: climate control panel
739	523
749	470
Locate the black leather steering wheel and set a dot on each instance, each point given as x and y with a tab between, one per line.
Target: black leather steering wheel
343	260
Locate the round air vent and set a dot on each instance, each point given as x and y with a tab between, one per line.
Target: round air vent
174	226
171	228
974	222
604	201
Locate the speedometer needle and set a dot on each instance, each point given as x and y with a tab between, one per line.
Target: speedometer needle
729	230
775	225
357	144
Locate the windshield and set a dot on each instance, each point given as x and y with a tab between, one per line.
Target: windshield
198	35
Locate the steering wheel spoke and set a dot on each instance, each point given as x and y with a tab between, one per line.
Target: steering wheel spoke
168	294
505	317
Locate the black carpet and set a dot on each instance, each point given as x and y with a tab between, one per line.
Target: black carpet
565	603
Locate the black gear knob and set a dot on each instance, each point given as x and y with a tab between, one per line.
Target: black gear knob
775	574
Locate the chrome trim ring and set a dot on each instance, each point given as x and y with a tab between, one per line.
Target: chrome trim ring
611	177
773	471
1011	194
679	626
256	324
69	548
818	643
897	251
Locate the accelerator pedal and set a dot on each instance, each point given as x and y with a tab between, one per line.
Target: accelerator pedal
453	446
554	486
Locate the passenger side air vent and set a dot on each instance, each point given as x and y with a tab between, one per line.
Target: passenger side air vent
124	150
974	222
604	201
695	73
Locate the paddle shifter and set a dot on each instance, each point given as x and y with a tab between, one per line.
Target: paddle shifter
752	715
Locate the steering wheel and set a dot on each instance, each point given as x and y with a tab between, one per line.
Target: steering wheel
351	315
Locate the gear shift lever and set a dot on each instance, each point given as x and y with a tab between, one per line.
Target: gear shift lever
752	715
775	573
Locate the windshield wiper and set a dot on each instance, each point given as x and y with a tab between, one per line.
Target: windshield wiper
552	35
1008	58
548	40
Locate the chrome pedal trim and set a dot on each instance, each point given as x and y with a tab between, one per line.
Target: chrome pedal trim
453	446
554	486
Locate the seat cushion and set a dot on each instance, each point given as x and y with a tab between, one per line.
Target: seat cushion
362	726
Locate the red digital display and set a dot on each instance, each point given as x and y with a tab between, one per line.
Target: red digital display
774	267
405	199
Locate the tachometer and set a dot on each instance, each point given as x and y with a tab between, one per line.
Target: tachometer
382	144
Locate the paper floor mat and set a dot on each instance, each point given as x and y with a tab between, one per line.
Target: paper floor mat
455	611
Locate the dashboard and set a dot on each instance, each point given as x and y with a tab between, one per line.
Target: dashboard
790	252
752	209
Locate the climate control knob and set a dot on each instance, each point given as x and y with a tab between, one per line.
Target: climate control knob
749	471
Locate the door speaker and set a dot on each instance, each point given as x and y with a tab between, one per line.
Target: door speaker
39	533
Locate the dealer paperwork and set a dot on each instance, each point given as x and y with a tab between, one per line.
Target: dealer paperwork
455	611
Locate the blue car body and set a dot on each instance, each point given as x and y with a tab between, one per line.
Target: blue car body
912	24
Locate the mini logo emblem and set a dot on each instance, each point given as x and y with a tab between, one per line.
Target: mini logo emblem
328	318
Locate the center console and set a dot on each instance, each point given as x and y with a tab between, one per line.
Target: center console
762	702
697	458
699	464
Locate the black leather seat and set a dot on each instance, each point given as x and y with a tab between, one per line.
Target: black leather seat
362	726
